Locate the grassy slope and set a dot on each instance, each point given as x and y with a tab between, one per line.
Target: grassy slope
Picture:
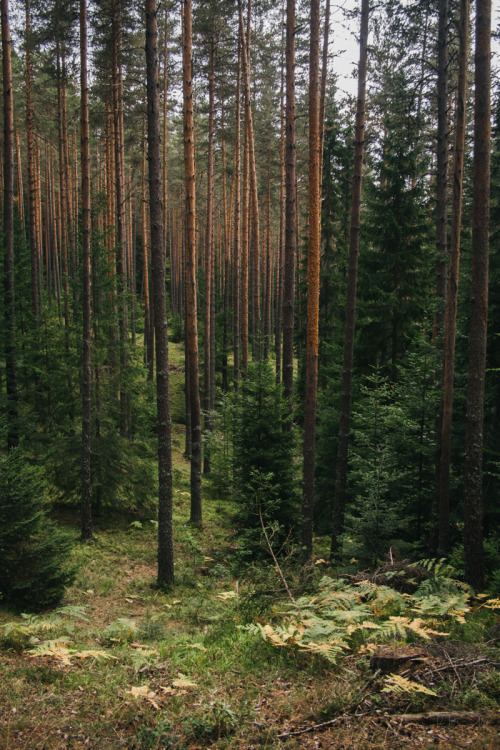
182	674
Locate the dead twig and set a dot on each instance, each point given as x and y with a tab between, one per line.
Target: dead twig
433	717
276	563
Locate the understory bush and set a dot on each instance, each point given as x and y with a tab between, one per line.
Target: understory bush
34	567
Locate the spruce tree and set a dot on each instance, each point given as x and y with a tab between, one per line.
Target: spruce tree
33	552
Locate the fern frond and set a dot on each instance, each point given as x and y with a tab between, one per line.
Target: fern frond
398	685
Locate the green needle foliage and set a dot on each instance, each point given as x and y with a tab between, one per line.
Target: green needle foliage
33	552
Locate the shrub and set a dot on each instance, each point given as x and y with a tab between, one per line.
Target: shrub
33	551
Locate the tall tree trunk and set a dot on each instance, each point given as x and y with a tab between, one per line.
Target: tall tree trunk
121	235
191	304
278	330
148	338
63	188
237	295
352	280
253	216
442	229
290	205
86	311
8	232
245	222
312	285
473	514
209	251
442	488
324	77
165	531
33	224
20	191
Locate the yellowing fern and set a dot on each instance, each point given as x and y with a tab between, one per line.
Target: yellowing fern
398	685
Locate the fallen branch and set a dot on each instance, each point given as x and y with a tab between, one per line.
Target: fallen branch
433	717
442	717
323	725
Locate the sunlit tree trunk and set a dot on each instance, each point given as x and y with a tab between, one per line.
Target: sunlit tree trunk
312	286
8	232
30	142
209	252
86	281
191	301
237	227
290	204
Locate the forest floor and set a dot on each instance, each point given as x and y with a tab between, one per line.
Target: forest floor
123	664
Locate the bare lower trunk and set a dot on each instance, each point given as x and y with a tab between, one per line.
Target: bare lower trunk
352	279
165	531
191	297
473	513
312	286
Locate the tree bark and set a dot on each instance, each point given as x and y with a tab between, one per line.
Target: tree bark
442	227
352	280
8	232
86	282
191	297
311	386
209	251
33	225
290	205
473	513
165	531
237	228
442	489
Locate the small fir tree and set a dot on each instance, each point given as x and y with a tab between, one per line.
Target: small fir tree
33	552
264	471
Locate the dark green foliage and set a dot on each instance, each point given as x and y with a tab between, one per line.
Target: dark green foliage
33	552
396	260
264	471
392	457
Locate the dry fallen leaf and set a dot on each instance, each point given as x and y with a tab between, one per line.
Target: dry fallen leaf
183	682
224	595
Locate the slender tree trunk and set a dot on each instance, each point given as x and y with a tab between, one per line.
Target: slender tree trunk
86	299
352	280
226	270
290	206
165	531
245	250
63	187
324	77
209	251
278	331
442	489
191	304
148	338
237	295
8	232
442	231
473	513
20	190
33	225
312	285
121	235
